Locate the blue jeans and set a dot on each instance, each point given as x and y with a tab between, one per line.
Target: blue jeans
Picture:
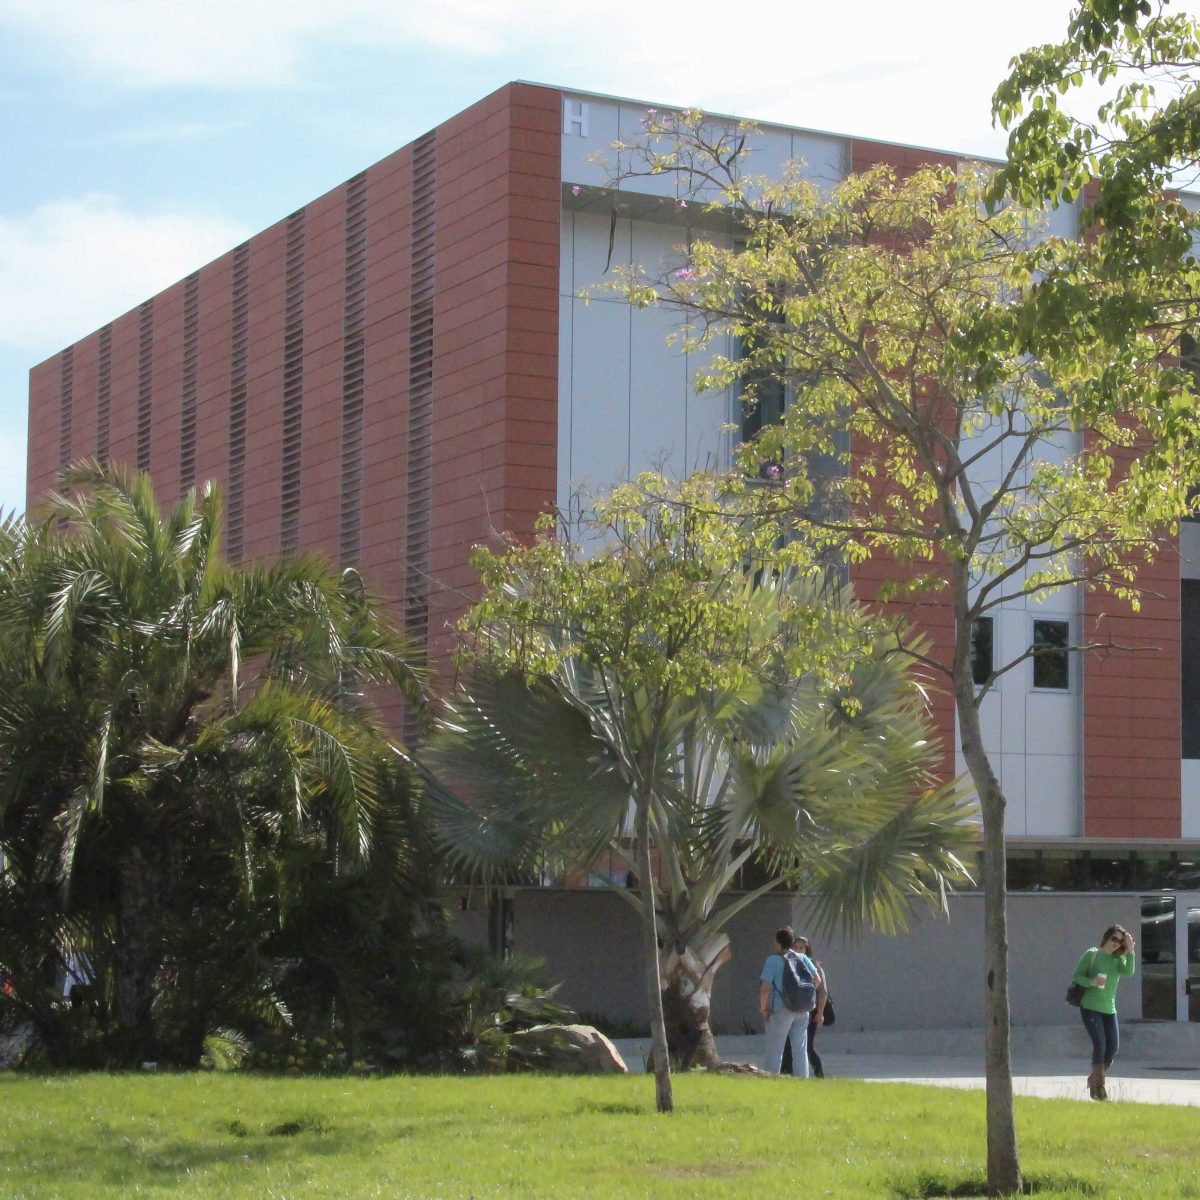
1106	1037
786	1026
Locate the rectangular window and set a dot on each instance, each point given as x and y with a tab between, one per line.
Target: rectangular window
1024	870
1112	872
1062	872
1051	659
1189	360
762	399
982	657
1189	664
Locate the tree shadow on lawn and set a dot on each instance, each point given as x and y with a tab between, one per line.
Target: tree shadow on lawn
931	1185
614	1108
119	1161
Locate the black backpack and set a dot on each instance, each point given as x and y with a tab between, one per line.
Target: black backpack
799	984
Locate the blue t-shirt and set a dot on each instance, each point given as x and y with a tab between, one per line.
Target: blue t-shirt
772	973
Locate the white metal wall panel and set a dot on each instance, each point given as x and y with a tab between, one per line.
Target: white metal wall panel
589	125
1189	550
826	158
1062	221
566	369
1051	795
631	123
599	403
1190	823
708	413
658	396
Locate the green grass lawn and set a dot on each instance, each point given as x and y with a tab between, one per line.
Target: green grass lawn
101	1136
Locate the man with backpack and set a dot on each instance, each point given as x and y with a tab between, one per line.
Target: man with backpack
790	989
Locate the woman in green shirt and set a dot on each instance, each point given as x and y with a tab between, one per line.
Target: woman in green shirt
1099	971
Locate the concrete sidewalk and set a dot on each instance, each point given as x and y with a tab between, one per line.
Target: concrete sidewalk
1132	1080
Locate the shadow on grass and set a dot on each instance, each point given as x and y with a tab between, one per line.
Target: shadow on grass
615	1108
307	1123
929	1185
121	1162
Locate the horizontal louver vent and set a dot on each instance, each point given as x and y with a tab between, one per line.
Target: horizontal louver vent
104	394
419	464
240	301
293	384
353	368
145	383
187	406
66	408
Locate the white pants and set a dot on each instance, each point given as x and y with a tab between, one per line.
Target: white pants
783	1025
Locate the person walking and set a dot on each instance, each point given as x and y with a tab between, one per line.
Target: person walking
816	1068
785	1024
1098	973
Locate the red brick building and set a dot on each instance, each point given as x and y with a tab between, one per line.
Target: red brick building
404	364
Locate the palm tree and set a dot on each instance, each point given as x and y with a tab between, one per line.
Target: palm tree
171	723
830	789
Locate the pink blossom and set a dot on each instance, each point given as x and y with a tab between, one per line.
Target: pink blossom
685	273
575	189
681	203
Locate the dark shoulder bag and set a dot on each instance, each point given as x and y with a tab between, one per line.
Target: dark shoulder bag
1076	992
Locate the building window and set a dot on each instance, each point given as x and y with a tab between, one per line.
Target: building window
982	656
1112	872
1189	665
763	399
1024	870
1051	659
1189	360
1064	871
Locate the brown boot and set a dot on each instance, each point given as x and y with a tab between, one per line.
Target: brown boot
1095	1084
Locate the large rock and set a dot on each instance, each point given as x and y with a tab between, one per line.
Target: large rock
568	1050
13	1047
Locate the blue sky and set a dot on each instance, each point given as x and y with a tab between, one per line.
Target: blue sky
142	138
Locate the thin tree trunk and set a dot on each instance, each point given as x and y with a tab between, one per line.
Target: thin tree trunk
1003	1164
664	1099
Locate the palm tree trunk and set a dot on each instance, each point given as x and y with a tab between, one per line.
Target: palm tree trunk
689	1035
664	1099
688	969
1003	1164
138	957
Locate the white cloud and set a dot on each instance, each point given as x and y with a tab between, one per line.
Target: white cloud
869	66
70	265
165	42
266	42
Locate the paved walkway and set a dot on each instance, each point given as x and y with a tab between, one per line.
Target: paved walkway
1137	1082
1058	1078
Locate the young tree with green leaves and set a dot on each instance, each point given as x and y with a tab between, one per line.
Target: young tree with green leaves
1119	164
942	415
1143	57
184	746
684	688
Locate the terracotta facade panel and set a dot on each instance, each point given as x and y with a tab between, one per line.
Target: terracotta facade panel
1131	701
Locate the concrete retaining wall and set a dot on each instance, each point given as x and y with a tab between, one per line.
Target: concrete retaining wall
930	978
